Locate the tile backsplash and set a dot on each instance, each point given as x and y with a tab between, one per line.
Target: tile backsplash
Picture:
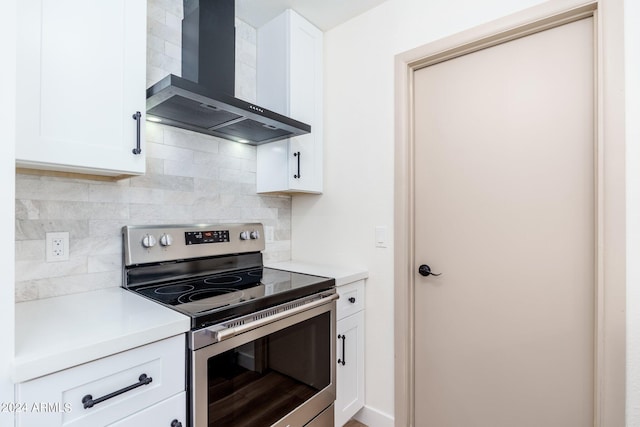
190	178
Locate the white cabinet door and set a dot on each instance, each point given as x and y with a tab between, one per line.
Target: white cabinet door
81	78
169	413
290	83
350	371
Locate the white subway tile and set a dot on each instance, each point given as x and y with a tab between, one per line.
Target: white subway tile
26	291
241	151
164	32
190	140
154	132
237	176
31	270
108	229
155	74
245	31
104	263
97	244
155	12
168	152
155	43
179	168
173	21
108	193
50	189
27	209
30	250
173	51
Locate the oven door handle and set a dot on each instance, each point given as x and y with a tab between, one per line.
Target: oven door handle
227	333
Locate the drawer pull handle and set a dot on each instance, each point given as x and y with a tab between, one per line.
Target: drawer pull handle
352	300
176	423
89	402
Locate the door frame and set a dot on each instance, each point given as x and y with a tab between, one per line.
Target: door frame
610	227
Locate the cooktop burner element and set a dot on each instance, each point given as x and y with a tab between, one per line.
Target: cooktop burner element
173	289
191	290
211	273
210	293
226	280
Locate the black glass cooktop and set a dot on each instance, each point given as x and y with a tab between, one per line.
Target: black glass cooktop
216	298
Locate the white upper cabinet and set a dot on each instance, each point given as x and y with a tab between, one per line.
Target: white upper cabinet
289	67
80	81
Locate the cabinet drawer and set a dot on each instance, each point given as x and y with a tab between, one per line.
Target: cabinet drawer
163	362
161	414
351	298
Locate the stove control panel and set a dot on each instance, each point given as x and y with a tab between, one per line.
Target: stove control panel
189	241
207	236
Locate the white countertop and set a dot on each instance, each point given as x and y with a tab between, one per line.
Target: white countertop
57	333
342	274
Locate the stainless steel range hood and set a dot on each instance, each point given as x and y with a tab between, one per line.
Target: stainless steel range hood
202	99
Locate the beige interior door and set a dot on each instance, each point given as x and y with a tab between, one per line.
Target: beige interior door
505	210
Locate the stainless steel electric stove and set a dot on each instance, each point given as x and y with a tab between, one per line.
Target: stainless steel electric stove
252	327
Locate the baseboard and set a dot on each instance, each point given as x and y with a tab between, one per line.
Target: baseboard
374	418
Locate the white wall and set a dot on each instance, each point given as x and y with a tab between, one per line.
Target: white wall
632	54
7	174
338	227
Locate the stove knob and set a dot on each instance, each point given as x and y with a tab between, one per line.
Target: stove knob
254	235
244	235
166	240
148	241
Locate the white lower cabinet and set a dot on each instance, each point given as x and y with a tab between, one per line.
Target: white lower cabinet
146	382
169	413
350	352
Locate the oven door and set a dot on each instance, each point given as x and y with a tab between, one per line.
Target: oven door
279	374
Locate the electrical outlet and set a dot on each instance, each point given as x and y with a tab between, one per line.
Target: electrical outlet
268	234
57	246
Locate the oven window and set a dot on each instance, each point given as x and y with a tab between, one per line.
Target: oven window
258	383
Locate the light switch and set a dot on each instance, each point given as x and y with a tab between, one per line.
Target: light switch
381	236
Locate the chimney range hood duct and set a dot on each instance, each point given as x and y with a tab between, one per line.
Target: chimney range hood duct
202	100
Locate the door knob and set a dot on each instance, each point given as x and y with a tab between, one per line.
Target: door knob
425	271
